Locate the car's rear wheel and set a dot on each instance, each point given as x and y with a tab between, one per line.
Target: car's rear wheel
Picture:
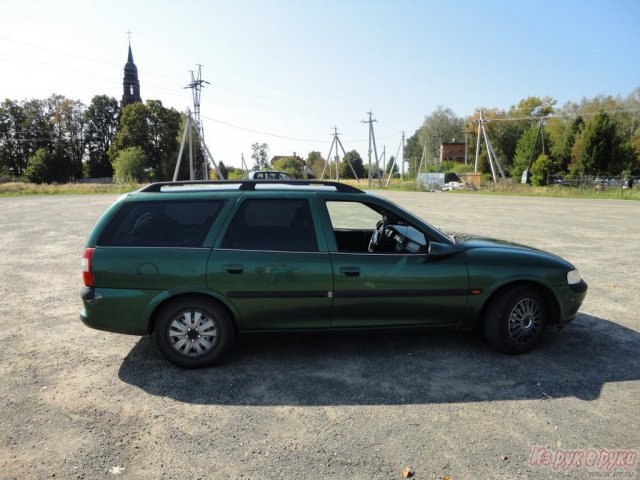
515	319
193	332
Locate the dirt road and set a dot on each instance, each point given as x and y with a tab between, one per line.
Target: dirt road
79	403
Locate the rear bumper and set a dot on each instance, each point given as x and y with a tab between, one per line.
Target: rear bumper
117	310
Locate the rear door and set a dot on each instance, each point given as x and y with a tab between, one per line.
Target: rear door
272	265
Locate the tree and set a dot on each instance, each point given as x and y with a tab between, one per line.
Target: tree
540	170
634	143
35	129
595	153
235	173
529	147
164	127
224	171
155	130
130	165
562	132
533	107
55	124
355	159
260	156
39	169
290	165
413	153
392	166
441	126
101	120
66	121
316	162
13	158
133	131
506	128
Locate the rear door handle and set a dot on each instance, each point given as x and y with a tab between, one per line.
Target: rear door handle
233	269
350	271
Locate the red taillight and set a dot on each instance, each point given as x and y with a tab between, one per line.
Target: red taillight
87	267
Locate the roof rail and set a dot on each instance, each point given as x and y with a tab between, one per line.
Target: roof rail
251	184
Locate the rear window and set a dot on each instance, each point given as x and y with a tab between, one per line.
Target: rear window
161	224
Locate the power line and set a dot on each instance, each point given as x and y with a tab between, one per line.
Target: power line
147	72
553	115
263	133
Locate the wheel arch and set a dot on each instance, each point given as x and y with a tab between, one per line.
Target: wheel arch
153	316
547	294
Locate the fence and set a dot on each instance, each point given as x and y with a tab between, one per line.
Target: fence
94	180
595	182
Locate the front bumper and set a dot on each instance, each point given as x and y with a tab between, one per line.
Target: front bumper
570	298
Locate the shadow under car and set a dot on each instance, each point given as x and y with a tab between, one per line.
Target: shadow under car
395	368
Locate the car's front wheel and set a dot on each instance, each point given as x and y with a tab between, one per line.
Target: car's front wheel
193	332
515	319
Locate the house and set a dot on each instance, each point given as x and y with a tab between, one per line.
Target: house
452	152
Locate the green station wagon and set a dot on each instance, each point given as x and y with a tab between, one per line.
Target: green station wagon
196	263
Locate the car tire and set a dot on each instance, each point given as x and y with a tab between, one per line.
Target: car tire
515	320
193	332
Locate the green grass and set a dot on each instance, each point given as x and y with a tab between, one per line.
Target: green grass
554	191
510	188
14	189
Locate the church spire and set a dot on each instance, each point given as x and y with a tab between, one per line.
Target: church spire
130	83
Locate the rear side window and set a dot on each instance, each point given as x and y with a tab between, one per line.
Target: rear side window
161	224
272	224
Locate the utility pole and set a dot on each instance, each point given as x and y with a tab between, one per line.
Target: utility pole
194	132
337	157
466	144
335	143
404	146
196	92
527	172
372	140
402	142
494	163
422	158
244	164
395	160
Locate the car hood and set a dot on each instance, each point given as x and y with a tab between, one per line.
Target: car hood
470	241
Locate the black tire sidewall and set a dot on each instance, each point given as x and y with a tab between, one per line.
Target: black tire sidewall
497	321
226	333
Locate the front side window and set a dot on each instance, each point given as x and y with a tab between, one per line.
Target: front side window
362	228
284	225
161	224
352	216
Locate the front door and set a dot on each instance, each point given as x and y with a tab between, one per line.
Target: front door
397	290
390	285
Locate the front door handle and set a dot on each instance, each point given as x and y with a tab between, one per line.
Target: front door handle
233	269
350	271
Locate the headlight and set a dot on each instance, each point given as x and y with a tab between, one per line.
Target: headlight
574	277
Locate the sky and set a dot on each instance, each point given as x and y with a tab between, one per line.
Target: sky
286	72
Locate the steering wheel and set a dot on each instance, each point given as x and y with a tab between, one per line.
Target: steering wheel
378	234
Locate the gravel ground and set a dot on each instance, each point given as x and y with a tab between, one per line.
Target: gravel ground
79	403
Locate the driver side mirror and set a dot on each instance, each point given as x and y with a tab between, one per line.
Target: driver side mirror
437	249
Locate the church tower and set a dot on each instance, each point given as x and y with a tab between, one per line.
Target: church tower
130	83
